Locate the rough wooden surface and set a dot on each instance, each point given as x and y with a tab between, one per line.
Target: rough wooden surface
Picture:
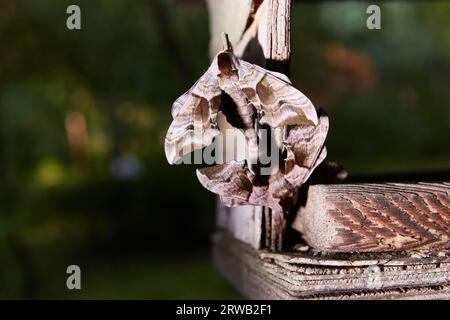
243	222
376	217
259	274
266	41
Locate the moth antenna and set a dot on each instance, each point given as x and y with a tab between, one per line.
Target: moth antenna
226	42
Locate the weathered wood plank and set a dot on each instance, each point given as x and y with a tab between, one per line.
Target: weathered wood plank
259	274
376	217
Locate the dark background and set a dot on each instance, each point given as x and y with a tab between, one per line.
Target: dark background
83	115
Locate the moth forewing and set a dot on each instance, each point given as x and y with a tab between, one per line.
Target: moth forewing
272	93
307	141
191	129
283	104
228	180
179	103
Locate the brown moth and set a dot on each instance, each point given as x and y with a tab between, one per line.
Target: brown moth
249	97
259	97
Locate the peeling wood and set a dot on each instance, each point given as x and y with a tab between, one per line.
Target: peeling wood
259	274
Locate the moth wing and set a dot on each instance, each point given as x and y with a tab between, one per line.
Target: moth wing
193	128
281	104
280	76
319	160
283	194
232	202
234	183
305	145
207	86
180	102
229	180
195	118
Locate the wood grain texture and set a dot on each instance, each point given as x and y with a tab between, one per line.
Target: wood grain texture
266	41
243	223
259	274
376	217
278	53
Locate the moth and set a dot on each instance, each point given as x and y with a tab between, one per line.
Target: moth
249	97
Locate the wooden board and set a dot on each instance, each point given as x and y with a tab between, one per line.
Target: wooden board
243	222
259	274
376	216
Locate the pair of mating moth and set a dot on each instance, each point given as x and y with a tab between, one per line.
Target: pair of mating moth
258	98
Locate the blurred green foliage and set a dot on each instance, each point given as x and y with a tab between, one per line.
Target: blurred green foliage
83	115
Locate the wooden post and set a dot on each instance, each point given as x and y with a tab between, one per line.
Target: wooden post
260	33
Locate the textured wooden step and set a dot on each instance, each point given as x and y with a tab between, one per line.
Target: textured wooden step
376	217
259	274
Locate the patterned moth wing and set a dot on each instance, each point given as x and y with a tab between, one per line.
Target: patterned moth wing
195	118
227	180
305	149
237	185
278	102
234	183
